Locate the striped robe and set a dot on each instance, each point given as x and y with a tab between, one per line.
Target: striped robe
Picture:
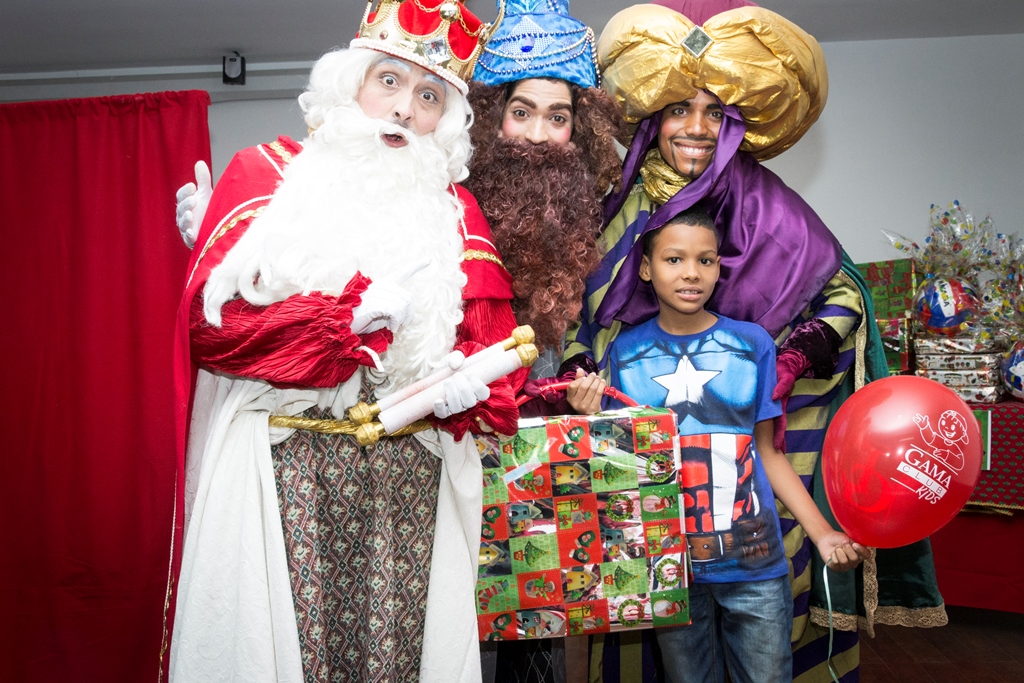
844	303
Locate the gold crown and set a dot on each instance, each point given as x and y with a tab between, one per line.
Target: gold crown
439	35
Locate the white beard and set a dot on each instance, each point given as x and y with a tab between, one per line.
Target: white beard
349	203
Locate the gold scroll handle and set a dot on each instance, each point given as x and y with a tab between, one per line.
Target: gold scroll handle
369	433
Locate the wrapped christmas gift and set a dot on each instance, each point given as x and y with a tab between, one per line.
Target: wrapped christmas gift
951	361
892	290
582	530
956	345
948	301
992	394
892	285
985	377
1005	298
895	333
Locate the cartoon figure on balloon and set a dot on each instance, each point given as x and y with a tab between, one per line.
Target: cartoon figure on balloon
900	460
930	469
952	430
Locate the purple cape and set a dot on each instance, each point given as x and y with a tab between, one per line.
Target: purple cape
776	253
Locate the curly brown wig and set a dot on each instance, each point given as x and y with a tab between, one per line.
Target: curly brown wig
597	124
543	203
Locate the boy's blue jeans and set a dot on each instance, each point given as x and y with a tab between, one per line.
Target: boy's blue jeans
743	626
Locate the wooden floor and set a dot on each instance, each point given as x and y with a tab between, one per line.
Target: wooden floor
977	646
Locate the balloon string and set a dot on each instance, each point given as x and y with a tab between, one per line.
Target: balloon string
831	628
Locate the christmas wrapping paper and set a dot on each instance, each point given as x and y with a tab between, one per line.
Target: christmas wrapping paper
986	377
892	285
980	394
582	527
1002	485
947	345
981	361
895	333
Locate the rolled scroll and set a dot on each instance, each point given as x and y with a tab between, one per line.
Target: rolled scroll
487	369
362	413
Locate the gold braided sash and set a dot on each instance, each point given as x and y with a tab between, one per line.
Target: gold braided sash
361	423
346	427
478	255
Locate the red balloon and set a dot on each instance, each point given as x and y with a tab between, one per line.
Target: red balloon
900	459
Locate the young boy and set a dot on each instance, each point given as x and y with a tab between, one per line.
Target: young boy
717	374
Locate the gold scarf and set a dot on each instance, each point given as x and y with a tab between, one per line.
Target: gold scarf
661	182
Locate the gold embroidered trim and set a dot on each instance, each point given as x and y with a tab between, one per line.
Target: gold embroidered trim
227	227
286	157
346	427
165	640
860	362
462	21
478	255
841	620
925	617
888	615
992	508
279	149
870	575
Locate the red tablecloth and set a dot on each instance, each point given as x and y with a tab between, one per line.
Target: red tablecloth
1003	485
979	560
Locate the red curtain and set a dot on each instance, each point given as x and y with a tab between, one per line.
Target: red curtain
91	272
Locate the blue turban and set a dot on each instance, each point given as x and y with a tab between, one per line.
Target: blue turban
538	39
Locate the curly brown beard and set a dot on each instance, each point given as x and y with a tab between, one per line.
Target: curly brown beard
543	203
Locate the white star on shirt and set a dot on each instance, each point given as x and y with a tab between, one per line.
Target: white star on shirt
686	384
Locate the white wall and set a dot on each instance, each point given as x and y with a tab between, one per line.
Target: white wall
236	125
910	123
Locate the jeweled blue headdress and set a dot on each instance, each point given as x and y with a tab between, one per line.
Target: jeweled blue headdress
538	39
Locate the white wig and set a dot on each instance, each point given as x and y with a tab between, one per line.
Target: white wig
336	79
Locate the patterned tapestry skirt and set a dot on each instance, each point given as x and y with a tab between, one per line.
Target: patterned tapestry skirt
358	529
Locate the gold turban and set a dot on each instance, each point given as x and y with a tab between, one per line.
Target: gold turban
767	66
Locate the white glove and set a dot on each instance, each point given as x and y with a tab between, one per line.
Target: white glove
461	392
385	303
192	201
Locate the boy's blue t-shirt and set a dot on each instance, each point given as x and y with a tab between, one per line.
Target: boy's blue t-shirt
719	382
